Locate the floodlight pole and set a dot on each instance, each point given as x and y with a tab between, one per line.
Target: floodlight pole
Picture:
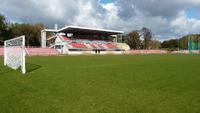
199	45
178	44
188	38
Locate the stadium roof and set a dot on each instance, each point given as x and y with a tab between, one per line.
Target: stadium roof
88	31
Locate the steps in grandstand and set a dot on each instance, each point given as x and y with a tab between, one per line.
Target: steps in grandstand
50	38
52	46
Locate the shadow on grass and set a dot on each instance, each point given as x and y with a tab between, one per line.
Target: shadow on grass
31	67
4	70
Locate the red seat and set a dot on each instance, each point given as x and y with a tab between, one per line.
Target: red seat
78	45
111	46
93	46
65	37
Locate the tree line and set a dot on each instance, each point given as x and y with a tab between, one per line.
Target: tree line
142	39
181	43
135	41
10	30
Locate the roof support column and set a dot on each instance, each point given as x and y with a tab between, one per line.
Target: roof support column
115	38
43	39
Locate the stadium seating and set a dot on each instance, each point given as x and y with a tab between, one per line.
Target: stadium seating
78	45
111	46
94	46
65	37
81	43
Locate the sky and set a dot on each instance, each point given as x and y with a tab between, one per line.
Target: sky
166	18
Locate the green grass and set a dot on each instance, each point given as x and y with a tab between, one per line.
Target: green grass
103	84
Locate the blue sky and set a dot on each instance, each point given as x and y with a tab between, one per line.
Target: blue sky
193	13
107	1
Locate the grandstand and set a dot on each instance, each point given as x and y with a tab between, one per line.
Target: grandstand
80	40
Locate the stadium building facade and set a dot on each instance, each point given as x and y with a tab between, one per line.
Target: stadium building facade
83	40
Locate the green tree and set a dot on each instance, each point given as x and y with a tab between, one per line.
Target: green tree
148	43
3	29
184	40
31	31
133	40
171	44
182	43
156	44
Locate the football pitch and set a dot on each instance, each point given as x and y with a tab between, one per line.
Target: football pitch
103	84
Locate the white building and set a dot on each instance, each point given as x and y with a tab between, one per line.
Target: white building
84	40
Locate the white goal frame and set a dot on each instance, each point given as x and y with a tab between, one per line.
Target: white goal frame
17	44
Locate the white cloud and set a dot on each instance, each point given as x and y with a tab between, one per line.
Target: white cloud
86	15
111	18
183	25
165	18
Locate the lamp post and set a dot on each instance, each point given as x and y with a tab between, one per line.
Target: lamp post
178	45
178	42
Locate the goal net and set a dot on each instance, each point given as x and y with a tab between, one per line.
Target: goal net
14	53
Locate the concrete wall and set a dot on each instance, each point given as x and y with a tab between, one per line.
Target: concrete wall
1	51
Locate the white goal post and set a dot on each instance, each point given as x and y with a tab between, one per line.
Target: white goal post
14	53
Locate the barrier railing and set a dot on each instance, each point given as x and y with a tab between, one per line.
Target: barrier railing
35	51
41	51
1	51
148	52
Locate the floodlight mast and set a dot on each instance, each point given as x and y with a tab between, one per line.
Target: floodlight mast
178	44
44	35
198	44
